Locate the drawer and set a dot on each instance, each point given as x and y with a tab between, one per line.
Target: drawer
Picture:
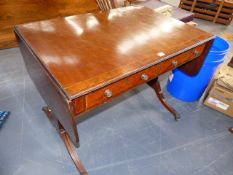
178	60
107	93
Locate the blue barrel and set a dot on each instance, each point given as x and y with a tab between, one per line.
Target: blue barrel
190	88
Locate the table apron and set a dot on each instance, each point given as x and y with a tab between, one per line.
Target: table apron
107	93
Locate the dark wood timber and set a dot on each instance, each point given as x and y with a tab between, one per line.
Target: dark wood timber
231	130
156	86
15	12
50	92
193	67
87	39
66	139
80	62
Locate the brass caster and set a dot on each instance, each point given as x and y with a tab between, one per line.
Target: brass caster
177	116
231	130
46	109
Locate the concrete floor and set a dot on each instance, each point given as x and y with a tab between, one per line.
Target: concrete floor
132	135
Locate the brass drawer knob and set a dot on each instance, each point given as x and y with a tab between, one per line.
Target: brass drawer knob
196	53
144	77
174	63
108	93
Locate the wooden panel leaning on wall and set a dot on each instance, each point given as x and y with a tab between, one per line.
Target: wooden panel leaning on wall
16	12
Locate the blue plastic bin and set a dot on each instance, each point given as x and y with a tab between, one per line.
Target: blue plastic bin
190	88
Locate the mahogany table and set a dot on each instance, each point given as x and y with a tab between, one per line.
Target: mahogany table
82	61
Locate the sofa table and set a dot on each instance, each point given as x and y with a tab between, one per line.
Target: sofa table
80	62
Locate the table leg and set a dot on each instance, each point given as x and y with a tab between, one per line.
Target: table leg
156	86
67	141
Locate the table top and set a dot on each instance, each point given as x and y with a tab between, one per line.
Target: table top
85	52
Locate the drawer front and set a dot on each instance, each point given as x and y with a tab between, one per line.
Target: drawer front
107	93
178	60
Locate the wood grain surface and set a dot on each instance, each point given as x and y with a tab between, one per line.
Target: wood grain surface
17	12
98	97
80	62
85	52
53	97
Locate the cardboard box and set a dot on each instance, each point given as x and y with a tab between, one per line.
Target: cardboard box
220	98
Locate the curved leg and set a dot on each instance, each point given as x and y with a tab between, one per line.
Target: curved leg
231	130
156	86
66	139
